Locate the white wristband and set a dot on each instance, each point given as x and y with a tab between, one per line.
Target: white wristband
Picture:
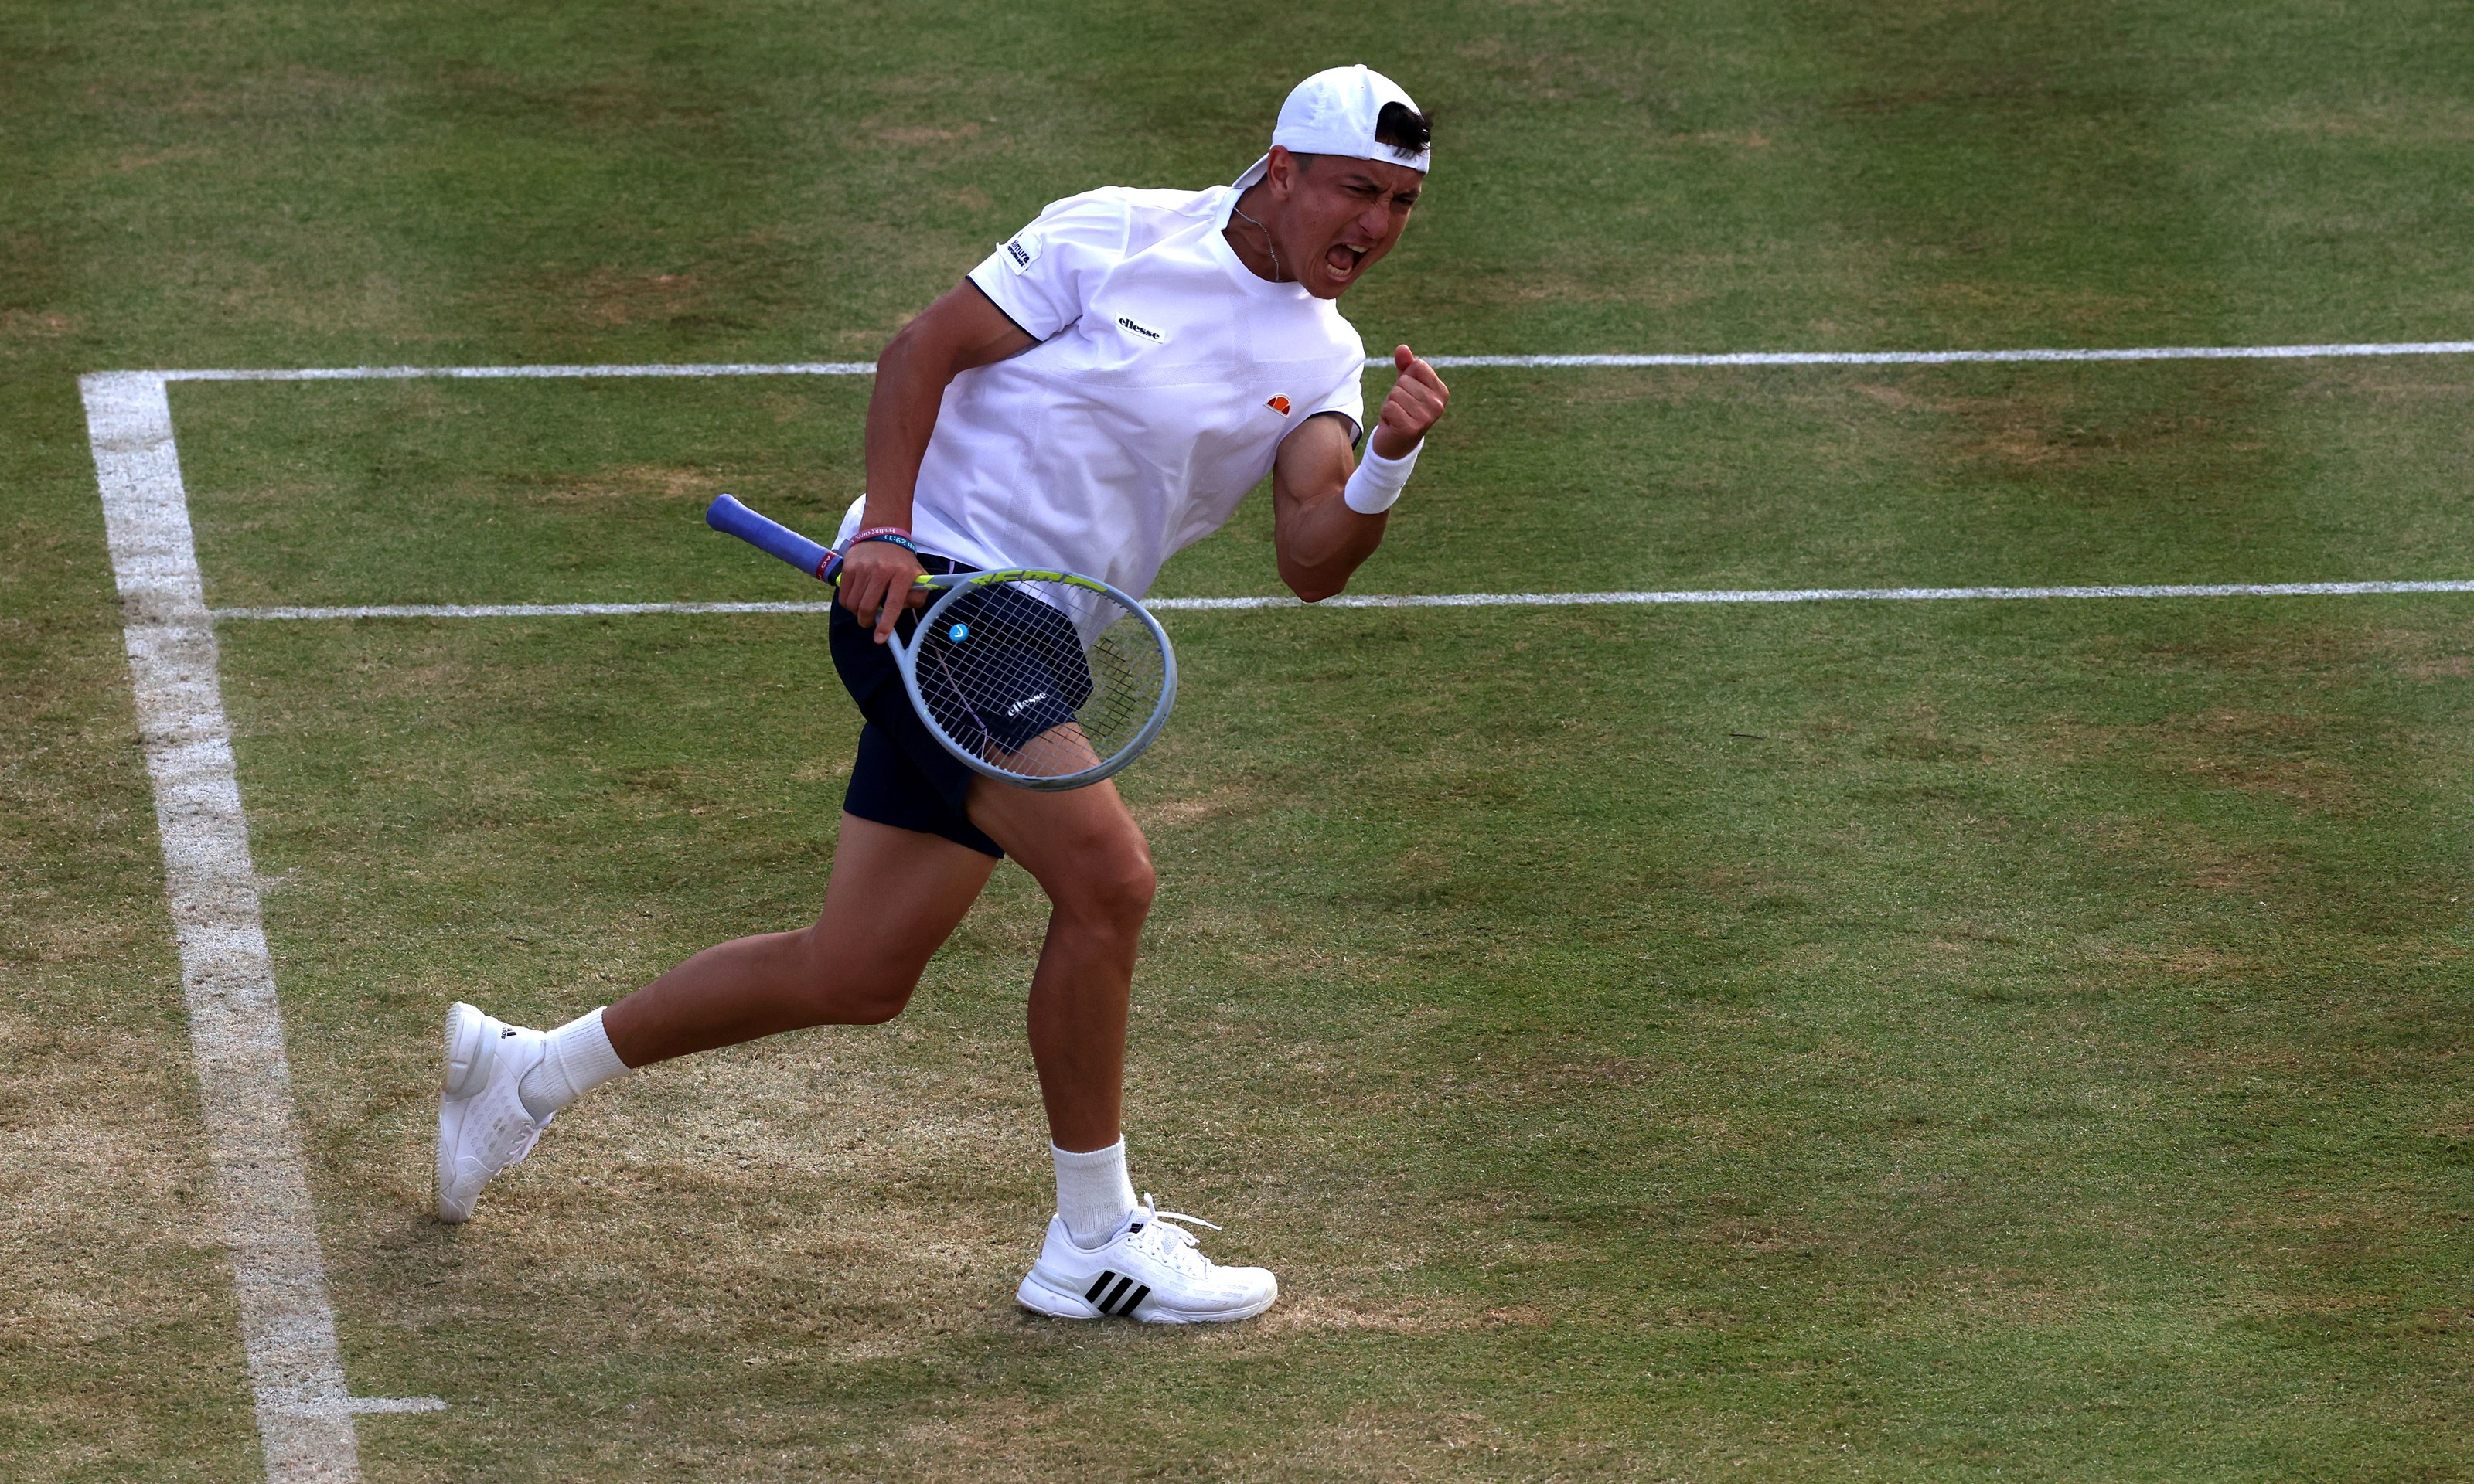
1378	481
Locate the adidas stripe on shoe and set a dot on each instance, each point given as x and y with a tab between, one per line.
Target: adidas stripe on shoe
1118	1300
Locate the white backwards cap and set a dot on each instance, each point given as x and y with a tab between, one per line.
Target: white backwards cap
1333	112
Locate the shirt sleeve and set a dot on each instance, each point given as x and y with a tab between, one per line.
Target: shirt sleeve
1346	397
1043	276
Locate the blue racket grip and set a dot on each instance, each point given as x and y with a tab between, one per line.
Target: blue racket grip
732	518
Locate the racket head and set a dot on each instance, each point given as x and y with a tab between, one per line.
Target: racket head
1043	680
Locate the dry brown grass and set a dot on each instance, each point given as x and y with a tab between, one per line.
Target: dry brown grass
631	483
991	1442
35	324
610	297
119	1284
2292	755
2390	120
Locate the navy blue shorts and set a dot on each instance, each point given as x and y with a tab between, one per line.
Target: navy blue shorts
1006	668
904	777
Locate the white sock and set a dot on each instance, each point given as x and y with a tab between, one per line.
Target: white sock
578	1059
1092	1194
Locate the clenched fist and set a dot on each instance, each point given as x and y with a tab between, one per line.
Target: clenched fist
1417	401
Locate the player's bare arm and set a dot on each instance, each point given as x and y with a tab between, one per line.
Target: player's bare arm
1320	538
958	332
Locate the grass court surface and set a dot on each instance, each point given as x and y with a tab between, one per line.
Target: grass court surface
1851	1041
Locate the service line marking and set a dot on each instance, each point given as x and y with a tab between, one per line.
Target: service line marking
1406	600
304	1410
2340	350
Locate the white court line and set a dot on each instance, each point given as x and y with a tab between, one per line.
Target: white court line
1968	357
355	1406
1408	600
521	610
304	1410
1727	358
1825	595
523	373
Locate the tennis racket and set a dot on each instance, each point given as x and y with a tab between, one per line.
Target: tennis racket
1044	680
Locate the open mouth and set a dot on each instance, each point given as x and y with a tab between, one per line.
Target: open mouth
1342	260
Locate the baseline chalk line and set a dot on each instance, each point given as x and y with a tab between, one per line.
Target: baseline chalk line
305	1409
2334	350
1406	600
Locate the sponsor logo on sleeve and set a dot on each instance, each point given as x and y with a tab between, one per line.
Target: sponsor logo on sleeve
1022	252
1279	404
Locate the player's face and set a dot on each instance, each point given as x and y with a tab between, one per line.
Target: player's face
1341	216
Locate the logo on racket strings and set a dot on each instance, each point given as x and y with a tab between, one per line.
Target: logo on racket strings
1026	703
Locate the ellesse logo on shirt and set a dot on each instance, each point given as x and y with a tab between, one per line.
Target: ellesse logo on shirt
1126	324
1279	404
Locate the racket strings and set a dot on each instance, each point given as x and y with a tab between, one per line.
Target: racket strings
1040	680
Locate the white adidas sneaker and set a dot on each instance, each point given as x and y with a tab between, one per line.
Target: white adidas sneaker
483	1125
1150	1270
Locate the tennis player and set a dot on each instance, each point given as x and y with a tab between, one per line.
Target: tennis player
1097	394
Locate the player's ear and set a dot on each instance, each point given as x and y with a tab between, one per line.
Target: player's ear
1283	171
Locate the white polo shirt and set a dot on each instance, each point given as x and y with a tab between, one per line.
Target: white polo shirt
1166	375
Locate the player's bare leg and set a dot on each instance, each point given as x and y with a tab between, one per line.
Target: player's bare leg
894	898
1105	1253
1087	852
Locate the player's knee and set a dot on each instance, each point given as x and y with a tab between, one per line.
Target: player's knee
843	989
871	1006
845	999
1111	886
1135	891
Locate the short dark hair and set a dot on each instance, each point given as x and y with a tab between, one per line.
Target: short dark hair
1404	128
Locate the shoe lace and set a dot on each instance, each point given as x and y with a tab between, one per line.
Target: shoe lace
527	1146
1173	1244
